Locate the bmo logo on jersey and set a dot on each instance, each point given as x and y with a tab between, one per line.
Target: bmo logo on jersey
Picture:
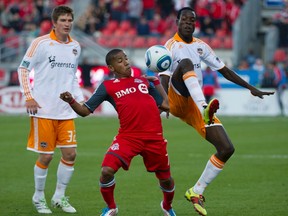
141	87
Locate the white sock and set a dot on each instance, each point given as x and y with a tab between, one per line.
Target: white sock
195	90
40	180
209	174
64	174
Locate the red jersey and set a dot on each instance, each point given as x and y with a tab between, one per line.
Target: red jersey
136	103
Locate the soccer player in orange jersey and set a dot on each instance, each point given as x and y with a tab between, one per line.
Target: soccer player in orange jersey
187	101
54	60
137	103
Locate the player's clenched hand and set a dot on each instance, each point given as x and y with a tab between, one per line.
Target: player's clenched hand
32	106
66	96
260	94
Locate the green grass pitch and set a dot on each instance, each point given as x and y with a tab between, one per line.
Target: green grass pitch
253	182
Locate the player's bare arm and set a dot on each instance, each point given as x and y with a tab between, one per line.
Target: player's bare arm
233	77
79	108
164	79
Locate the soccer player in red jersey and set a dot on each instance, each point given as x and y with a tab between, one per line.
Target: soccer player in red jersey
137	101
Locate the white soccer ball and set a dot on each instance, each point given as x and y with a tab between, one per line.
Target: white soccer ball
158	58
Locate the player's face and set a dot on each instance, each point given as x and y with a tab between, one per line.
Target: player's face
63	26
186	24
121	66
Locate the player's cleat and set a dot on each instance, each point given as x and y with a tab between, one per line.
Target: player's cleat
210	110
109	212
64	204
167	213
41	206
197	201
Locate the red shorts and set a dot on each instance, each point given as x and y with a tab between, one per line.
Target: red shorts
124	148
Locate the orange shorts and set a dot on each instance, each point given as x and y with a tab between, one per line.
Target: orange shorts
47	134
186	109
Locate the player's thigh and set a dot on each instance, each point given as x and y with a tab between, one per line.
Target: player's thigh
121	152
155	156
42	136
66	133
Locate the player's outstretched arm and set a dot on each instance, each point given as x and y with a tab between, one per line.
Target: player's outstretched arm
80	109
233	77
164	79
165	103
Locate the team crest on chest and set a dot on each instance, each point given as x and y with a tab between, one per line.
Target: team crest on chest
75	52
138	80
200	51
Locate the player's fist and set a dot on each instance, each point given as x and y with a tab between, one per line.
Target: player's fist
67	97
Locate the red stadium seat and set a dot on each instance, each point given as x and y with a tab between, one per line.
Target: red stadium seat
228	42
139	42
152	41
112	25
125	25
45	27
216	43
280	55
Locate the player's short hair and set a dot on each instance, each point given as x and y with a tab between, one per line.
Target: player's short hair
182	9
60	10
110	55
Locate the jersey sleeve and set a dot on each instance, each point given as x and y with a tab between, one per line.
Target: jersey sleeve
97	98
210	58
77	92
155	94
27	64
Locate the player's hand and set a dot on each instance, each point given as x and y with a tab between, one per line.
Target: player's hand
32	106
260	94
167	111
66	96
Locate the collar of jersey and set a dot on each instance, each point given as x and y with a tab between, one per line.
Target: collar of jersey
53	37
178	38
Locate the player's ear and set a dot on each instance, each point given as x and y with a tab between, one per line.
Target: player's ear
111	68
177	21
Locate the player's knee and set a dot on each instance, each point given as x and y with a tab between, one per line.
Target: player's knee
69	155
167	183
227	152
45	159
107	174
186	65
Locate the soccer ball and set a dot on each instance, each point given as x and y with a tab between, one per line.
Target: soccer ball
158	58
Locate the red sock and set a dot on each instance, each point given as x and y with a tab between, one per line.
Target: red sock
168	196
108	196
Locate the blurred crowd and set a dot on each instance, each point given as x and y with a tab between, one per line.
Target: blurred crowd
17	16
157	17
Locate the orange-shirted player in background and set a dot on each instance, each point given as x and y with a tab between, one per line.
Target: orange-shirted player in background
187	101
54	58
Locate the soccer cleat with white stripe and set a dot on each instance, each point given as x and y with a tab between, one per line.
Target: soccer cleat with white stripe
64	204
109	212
41	206
167	213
